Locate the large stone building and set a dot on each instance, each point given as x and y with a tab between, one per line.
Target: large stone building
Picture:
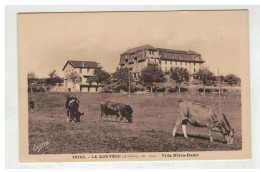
138	58
86	70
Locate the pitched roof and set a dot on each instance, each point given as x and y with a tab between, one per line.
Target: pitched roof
183	57
172	51
180	55
81	64
133	50
165	54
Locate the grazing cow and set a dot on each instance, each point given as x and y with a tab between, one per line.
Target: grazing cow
200	115
72	106
119	109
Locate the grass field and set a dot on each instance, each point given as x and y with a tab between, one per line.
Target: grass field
151	130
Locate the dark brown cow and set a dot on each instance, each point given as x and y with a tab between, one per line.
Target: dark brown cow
201	115
72	106
119	109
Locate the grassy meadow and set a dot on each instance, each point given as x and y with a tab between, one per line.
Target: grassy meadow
151	130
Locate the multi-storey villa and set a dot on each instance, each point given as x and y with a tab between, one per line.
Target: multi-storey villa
138	58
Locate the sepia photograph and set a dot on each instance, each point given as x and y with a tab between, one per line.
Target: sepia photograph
134	86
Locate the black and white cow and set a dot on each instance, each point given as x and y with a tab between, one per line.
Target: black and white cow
72	106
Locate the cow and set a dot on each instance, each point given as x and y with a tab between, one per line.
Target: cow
72	106
119	109
200	115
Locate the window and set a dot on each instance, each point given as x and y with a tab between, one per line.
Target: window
80	70
171	62
165	62
181	63
194	63
87	70
194	70
185	63
175	63
166	68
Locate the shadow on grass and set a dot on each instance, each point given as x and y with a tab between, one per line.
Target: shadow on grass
114	121
200	137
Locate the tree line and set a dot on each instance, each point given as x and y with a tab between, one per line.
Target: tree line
149	77
152	75
51	80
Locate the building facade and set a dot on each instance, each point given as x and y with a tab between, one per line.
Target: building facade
138	58
85	69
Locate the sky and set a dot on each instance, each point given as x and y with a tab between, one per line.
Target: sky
46	41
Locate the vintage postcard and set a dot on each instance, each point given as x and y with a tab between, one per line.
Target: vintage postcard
134	86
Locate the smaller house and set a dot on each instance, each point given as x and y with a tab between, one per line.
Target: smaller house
85	69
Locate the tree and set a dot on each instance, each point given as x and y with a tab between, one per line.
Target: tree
53	81
121	75
152	74
101	76
30	75
232	79
74	76
53	74
206	76
221	79
180	75
53	78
